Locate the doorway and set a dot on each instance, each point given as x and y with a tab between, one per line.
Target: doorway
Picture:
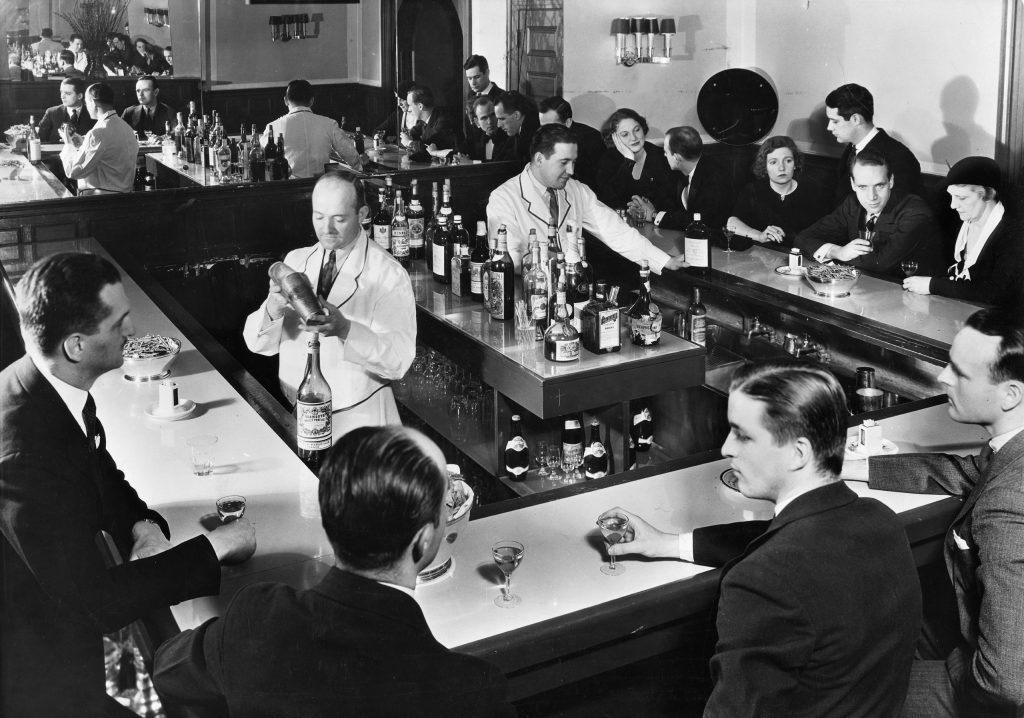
429	50
535	47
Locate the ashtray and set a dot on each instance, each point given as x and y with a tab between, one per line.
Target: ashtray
791	272
179	412
855	447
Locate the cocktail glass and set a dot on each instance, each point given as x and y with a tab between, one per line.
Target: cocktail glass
542	457
909	267
554	460
507	554
728	233
614	529
230	508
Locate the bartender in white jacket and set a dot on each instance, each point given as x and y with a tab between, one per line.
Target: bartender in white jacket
368	337
546	192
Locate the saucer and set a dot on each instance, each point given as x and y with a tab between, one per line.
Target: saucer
181	411
790	272
856	448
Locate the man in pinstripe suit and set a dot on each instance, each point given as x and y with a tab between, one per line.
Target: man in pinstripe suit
984	547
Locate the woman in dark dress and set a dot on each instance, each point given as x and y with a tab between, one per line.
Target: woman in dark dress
988	259
775	207
631	165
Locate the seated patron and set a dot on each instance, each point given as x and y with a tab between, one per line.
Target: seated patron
483	143
148	60
150	115
430	125
60	487
169	59
396	122
701	187
988	260
119	58
71	111
630	165
545	193
66	65
76	44
15	71
589	142
877	227
819	609
517	118
776	207
309	139
851	110
478	77
357	642
104	160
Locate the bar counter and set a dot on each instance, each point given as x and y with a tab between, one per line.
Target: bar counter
22	181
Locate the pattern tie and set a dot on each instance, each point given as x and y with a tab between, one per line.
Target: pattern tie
93	430
74	120
553	205
326	277
985	458
870	224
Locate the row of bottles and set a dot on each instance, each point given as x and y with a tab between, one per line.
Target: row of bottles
202	142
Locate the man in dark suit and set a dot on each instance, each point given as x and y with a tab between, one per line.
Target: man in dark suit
589	143
485	141
983	674
59	488
819	608
357	642
703	188
518	118
434	128
851	111
876	228
66	64
150	114
71	111
478	77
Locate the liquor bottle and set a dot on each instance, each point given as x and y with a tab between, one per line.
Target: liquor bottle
584	270
459	233
270	154
485	272
572	439
517	453
382	222
415	216
570	311
696	319
535	291
389	192
284	169
601	323
244	149
561	340
608	448
643	426
595	458
477	258
644	316
400	233
257	161
443	249
697	246
446	203
360	140
503	288
178	134
313	410
555	261
460	270
192	115
552	237
526	261
223	156
188	142
431	229
202	150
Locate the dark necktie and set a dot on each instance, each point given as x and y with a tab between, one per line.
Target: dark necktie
326	276
985	458
74	120
93	430
870	224
553	206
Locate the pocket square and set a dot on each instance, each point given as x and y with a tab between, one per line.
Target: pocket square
960	543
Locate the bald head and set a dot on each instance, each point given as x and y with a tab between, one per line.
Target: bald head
339	206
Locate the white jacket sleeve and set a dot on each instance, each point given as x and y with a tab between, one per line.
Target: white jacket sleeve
386	347
262	335
603	223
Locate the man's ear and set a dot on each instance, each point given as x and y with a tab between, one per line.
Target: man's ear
421	544
74	348
802	453
1013	395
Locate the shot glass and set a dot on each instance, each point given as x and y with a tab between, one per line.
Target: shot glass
202	453
230	508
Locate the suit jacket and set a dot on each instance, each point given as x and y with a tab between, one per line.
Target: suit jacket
135	117
615	183
438	130
348	644
56	116
475	144
517	148
997	277
57	598
819	614
905	230
983	549
904	166
468	128
709	195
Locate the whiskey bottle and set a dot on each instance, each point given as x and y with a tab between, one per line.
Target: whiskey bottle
601	323
644	316
503	288
313	410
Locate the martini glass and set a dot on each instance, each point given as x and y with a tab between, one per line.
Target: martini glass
507	554
909	267
728	239
614	529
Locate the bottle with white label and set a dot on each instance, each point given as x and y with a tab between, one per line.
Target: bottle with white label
313	410
382	221
400	233
697	246
644	315
696	320
572	441
643	426
595	458
601	323
536	290
477	258
561	340
517	453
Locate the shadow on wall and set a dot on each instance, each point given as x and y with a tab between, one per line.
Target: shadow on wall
964	137
593	108
814	129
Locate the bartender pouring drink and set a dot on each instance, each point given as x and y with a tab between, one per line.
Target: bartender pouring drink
368	327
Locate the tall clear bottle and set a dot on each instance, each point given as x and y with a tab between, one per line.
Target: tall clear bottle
536	291
526	263
517	453
485	272
313	410
503	278
477	258
644	315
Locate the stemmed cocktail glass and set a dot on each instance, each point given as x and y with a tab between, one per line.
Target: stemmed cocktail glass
909	267
614	529
728	239
507	554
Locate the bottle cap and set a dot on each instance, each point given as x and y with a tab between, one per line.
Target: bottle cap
696	216
481	227
515	417
458	219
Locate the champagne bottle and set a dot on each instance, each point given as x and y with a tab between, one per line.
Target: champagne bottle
696	320
536	291
400	233
697	246
572	439
644	315
313	410
477	258
517	453
284	169
382	221
601	323
503	289
595	458
643	426
561	340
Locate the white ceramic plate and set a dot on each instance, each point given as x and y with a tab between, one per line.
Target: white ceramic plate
183	410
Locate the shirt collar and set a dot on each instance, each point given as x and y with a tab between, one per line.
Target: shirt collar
73	397
293	110
998	442
404	589
866	139
486	90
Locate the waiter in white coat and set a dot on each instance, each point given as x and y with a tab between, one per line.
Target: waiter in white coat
368	336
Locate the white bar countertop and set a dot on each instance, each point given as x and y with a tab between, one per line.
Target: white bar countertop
22	181
559	574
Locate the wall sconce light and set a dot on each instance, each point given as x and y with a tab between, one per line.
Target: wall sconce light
293	27
634	39
158	17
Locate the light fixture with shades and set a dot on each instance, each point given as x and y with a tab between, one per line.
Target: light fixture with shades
635	39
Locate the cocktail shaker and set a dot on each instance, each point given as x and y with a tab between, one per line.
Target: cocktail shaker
296	288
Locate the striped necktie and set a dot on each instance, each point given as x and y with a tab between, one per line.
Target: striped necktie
327	276
93	429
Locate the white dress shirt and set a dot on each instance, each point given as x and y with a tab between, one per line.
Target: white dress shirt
105	160
309	139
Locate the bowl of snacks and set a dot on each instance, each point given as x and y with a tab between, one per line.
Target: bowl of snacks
149	357
832	280
458	502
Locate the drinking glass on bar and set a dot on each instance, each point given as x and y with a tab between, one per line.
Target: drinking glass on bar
230	508
507	555
613	529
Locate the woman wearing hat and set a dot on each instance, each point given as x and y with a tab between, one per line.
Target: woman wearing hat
988	260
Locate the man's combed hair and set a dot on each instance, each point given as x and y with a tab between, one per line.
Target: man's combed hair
299	92
377	489
800	400
476	61
1007	324
852	99
101	93
870	158
60	295
684	141
76	82
561	108
545	139
423	95
514	101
